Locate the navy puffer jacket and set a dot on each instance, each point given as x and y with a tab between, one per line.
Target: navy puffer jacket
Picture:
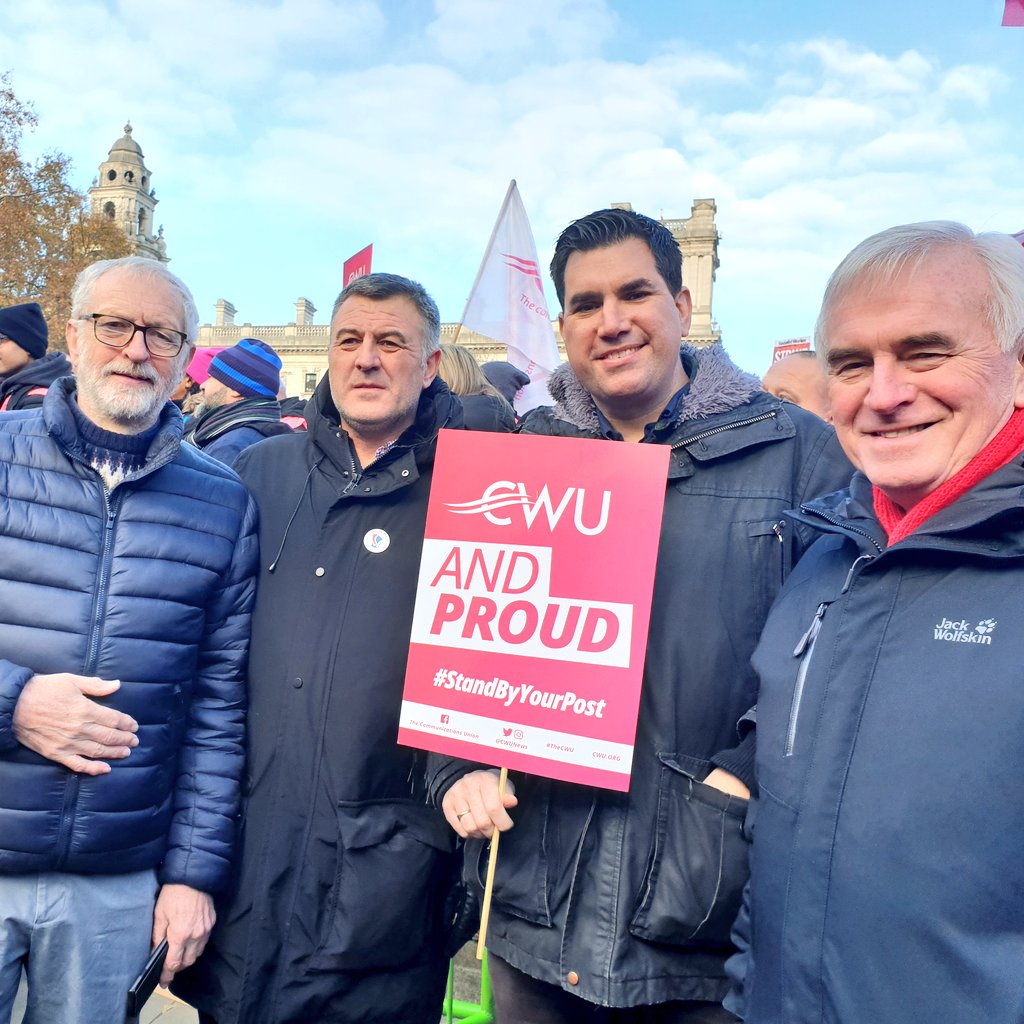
151	584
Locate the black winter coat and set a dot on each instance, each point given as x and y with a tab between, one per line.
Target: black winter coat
486	412
338	914
631	895
26	388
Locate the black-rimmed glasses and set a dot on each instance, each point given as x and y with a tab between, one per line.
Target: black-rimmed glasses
116	332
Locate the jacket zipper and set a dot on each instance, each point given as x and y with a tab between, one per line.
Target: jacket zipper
720	430
103	580
71	791
844	525
804	650
356	475
777	529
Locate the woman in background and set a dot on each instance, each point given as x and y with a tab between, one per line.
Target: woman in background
483	406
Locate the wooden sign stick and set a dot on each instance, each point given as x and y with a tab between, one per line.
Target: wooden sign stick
485	909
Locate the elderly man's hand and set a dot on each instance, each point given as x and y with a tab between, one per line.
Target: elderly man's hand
473	808
55	718
185	917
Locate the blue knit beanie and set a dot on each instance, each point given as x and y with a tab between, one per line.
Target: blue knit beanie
26	327
252	368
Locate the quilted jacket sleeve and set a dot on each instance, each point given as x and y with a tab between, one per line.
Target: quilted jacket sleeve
207	797
12	681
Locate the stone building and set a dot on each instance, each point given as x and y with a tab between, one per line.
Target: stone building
123	191
302	345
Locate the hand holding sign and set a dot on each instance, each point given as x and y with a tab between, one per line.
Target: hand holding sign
474	808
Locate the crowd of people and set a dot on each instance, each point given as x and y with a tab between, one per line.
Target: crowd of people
205	619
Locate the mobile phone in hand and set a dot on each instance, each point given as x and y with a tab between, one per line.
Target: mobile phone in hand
143	985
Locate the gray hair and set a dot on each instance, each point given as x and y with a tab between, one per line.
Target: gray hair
142	268
881	258
378	287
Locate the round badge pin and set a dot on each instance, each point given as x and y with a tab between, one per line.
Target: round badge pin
376	541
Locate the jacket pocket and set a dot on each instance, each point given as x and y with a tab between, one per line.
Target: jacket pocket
693	885
393	873
521	879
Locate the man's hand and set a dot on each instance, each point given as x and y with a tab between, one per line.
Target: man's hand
55	718
726	782
472	806
185	917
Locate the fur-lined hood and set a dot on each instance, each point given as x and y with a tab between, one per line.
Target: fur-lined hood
717	385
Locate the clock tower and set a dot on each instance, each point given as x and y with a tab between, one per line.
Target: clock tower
123	192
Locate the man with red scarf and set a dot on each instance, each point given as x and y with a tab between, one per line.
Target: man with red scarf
887	878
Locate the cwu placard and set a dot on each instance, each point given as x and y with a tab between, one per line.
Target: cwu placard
533	603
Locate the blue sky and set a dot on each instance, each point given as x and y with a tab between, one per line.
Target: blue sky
285	136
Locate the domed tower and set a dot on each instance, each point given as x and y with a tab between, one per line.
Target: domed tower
123	193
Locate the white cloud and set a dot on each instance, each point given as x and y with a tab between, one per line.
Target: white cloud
845	67
477	32
285	135
973	83
804	116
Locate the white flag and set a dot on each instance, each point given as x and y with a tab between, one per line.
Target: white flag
507	302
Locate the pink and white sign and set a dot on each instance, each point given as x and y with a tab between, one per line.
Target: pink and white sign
533	603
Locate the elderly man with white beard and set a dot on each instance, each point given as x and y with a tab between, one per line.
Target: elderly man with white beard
126	583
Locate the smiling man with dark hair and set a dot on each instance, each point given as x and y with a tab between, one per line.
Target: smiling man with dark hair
613	907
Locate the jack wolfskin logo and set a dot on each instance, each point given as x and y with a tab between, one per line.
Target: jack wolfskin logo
958	631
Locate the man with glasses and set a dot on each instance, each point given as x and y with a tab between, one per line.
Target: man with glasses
126	583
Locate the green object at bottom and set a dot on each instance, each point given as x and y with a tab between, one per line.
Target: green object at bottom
458	1012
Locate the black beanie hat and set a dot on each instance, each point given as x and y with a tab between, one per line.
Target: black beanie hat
508	379
26	327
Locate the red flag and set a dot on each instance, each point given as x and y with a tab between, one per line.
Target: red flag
1014	13
358	265
507	301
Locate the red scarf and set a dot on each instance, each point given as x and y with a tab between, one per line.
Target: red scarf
1008	443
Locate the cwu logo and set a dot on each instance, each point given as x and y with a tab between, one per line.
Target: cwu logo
587	517
960	631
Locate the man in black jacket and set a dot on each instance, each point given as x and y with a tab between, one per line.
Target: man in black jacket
613	907
339	912
26	369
